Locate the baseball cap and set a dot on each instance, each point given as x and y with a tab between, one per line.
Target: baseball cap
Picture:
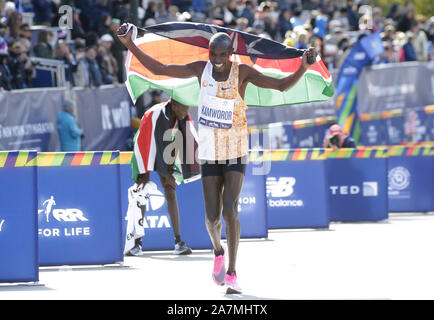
335	130
107	37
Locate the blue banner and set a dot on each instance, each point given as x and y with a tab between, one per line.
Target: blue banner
415	125
373	132
394	130
411	183
293	201
79	213
252	207
362	54
357	189
305	137
18	223
158	228
429	111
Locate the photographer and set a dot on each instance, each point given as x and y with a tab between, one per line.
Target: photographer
337	139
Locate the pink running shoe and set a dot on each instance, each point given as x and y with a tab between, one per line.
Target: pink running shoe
231	282
219	271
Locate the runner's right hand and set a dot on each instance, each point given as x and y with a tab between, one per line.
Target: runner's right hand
123	36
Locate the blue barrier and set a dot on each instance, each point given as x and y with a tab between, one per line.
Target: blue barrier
416	125
305	134
158	229
357	184
411	178
293	201
79	208
429	111
18	223
252	211
373	130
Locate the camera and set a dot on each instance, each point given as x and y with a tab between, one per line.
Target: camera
335	140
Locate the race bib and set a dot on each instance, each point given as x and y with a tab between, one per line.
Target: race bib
216	112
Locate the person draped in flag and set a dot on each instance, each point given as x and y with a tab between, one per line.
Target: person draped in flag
223	136
157	133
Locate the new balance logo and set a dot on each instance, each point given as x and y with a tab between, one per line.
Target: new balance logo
280	188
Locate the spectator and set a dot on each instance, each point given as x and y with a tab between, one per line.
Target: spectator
172	15
70	134
242	24
91	39
296	19
3	37
43	48
94	74
405	21
106	61
409	52
420	42
119	10
77	31
352	16
321	21
5	73
151	12
117	49
42	10
63	53
18	66
100	12
30	72
25	32
156	98
80	76
248	11
15	20
104	24
283	24
230	12
337	138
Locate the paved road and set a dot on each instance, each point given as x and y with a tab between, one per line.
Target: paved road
392	259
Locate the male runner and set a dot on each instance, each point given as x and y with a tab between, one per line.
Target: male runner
149	155
222	135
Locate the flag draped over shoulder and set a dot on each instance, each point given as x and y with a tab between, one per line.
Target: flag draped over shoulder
151	142
182	43
362	54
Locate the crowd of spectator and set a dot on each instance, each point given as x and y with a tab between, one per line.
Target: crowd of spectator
93	55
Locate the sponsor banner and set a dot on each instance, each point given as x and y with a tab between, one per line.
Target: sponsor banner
394	126
158	228
429	111
416	125
252	210
305	134
357	188
410	179
105	116
395	85
372	130
18	223
28	120
293	201
79	211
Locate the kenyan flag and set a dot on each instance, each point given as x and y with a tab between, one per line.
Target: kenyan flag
182	43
